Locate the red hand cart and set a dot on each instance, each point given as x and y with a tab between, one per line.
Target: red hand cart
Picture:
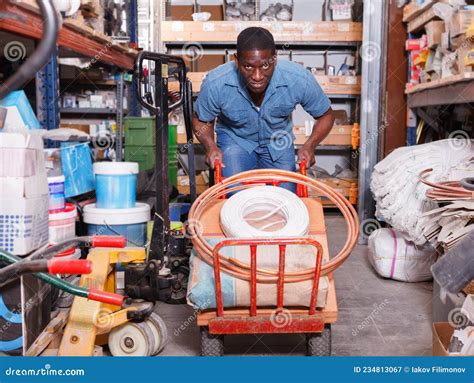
315	323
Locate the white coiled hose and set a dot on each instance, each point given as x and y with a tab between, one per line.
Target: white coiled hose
271	199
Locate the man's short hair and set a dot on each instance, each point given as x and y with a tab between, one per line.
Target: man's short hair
255	38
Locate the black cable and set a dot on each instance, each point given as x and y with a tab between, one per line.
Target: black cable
41	55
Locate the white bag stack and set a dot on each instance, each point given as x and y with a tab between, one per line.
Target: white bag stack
400	197
23	193
392	256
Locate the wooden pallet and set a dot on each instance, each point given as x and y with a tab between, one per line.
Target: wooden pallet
211	226
333	85
291	31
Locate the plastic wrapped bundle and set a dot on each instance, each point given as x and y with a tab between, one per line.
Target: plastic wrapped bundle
400	196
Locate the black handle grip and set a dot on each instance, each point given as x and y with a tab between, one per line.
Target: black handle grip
159	59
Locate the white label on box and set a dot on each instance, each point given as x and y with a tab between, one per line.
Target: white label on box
308	28
350	80
177	26
343	27
208	27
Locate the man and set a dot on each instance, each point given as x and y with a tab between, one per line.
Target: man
252	99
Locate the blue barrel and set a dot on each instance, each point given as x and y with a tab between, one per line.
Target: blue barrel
116	184
130	223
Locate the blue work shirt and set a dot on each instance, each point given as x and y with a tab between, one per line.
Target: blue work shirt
224	95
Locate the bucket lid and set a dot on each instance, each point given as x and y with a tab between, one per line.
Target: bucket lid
138	214
68	212
56	179
115	168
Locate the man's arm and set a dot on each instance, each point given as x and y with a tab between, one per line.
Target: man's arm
320	130
204	131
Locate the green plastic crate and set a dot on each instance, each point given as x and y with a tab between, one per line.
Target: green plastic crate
139	131
145	155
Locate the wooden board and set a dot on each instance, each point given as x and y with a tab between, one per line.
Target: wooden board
339	135
419	22
210	223
468	76
330	84
413	10
291	31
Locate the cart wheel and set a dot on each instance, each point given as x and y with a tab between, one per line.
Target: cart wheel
132	339
160	332
319	344
211	345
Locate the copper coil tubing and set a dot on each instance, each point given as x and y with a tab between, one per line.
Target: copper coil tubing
446	190
241	270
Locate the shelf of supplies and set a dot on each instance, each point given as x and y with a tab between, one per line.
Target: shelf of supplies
23	19
88	111
331	85
283	32
458	89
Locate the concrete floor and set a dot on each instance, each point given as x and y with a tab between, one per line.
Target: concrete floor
376	316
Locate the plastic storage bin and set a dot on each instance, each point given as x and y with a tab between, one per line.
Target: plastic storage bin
116	184
62	224
131	223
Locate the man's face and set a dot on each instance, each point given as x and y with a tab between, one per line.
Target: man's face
256	67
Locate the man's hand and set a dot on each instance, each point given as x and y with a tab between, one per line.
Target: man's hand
214	154
306	152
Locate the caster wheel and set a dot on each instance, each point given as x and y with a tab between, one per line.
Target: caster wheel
132	339
160	332
319	344
211	345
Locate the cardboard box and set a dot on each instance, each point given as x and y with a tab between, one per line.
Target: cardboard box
24	224
184	12
461	21
183	184
442	332
20	115
434	30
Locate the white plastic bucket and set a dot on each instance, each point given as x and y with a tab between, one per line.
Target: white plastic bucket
62	224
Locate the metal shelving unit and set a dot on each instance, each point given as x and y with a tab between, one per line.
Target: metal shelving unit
327	36
24	19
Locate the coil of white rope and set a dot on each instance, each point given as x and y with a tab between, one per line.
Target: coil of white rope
271	201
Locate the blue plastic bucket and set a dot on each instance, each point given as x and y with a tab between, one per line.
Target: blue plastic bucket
116	184
76	164
131	223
